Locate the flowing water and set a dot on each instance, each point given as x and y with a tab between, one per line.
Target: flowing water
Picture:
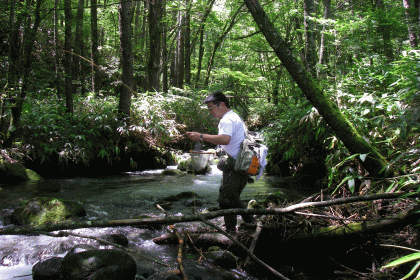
128	195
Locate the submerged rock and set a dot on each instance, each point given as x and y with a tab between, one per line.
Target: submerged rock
98	265
47	269
117	238
222	258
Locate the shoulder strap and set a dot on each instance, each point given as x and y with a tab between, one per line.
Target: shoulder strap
247	136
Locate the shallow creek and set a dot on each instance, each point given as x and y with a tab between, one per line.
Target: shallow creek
128	195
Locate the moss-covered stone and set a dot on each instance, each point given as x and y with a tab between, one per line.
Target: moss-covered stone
47	210
172	172
13	172
16	172
33	176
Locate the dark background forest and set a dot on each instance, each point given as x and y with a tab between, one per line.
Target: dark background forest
99	84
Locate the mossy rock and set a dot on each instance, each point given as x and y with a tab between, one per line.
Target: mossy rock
184	163
47	210
33	176
172	172
16	172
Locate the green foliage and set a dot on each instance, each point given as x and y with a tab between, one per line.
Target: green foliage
404	260
297	133
94	130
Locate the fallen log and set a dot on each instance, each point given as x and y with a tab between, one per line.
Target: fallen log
28	230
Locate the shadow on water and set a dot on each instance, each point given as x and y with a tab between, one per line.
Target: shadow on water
128	195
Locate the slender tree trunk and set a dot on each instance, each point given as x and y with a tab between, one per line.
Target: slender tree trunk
124	15
219	43
15	49
68	56
200	57
310	44
200	35
409	18
26	64
384	30
79	45
375	163
187	43
417	17
57	78
179	53
164	51
96	78
301	42
155	35
327	15
13	58
202	23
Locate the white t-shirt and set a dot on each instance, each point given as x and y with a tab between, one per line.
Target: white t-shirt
231	124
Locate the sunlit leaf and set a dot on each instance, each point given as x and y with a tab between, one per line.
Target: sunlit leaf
402	260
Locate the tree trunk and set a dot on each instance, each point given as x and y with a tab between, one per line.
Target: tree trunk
375	163
219	43
57	78
384	30
299	34
25	63
68	56
310	44
165	87
155	35
409	18
96	78
200	34
124	15
79	45
327	15
187	43
179	53
200	57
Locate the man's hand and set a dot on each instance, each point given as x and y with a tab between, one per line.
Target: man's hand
194	136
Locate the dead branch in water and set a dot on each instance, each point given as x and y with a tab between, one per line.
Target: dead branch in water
28	230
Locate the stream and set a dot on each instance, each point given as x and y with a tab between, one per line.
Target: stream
128	195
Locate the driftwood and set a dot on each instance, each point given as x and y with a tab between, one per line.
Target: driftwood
195	217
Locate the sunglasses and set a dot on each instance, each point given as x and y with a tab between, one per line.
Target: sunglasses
211	108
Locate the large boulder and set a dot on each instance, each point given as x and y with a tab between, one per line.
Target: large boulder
47	210
223	258
47	269
16	173
98	265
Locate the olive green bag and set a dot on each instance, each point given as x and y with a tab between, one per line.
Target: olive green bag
248	158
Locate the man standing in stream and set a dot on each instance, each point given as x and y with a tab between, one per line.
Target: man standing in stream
230	136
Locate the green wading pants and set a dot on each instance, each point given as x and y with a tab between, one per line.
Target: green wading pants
233	183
